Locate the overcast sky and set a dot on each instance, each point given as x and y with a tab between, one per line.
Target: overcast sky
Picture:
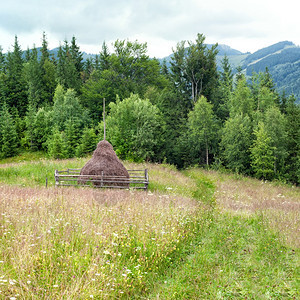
245	25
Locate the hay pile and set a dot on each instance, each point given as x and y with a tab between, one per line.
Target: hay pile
105	161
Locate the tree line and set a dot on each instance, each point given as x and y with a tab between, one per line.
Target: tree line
186	114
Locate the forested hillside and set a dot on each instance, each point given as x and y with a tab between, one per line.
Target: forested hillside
190	113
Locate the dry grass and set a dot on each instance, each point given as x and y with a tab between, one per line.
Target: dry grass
83	243
280	204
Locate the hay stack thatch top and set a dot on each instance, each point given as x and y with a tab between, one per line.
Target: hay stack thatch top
104	160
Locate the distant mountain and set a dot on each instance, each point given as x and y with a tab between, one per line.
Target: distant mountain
283	62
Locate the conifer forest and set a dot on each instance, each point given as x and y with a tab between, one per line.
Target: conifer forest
187	113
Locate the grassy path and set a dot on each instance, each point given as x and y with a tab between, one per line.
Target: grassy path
239	240
235	256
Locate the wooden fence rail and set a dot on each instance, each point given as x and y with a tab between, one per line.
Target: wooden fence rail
138	179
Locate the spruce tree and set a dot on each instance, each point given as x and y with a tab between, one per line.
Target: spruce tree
33	75
293	140
8	134
16	85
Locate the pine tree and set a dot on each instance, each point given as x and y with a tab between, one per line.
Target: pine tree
44	51
48	74
221	106
76	56
72	135
30	128
293	140
8	134
33	75
104	62
16	86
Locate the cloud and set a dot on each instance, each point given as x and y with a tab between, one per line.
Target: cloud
157	21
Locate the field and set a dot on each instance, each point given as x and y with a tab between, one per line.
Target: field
195	234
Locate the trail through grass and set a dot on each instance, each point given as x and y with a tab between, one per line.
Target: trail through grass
240	254
235	257
196	234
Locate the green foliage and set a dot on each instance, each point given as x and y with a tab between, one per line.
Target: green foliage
16	94
293	140
194	70
88	142
241	101
8	134
69	65
202	129
275	125
134	128
262	154
63	90
72	135
221	103
33	75
236	141
57	144
66	106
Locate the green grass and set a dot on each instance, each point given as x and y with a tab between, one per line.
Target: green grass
34	172
196	234
235	258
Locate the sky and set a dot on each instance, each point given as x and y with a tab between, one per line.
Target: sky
245	25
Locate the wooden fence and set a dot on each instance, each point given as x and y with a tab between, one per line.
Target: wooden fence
138	179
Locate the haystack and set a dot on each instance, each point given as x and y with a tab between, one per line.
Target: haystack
105	162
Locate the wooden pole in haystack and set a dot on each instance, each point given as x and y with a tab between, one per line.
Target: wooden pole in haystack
104	119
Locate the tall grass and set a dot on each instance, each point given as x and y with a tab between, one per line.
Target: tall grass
279	203
196	234
78	244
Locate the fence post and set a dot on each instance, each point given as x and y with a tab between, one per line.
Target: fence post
56	178
101	178
146	179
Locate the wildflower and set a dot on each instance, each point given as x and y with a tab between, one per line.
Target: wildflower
106	252
12	282
55	285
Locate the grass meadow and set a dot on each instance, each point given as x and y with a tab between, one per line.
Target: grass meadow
195	234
